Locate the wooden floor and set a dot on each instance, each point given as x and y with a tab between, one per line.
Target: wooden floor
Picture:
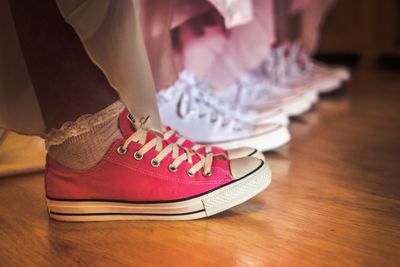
334	201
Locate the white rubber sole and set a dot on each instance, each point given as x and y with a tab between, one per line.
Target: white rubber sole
312	96
279	118
345	77
328	86
262	142
205	205
341	73
297	107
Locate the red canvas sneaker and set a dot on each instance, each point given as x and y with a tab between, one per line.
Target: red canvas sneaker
173	136
143	177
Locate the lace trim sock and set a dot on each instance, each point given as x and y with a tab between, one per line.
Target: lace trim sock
81	144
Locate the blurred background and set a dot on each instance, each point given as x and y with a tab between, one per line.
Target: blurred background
365	33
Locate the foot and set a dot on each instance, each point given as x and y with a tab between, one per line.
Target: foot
143	177
255	89
297	68
188	112
224	103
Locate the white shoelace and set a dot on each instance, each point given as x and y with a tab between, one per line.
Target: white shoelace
256	86
211	99
289	62
223	106
140	136
181	140
193	101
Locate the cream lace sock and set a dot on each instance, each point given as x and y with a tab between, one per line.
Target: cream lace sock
83	143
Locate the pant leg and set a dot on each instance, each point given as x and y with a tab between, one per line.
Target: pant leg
110	31
313	13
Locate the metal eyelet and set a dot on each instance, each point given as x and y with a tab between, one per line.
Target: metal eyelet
189	173
137	155
172	168
155	163
207	174
121	150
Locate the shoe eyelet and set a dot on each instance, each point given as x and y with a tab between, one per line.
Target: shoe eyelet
137	155
189	173
207	174
172	168
155	163
121	150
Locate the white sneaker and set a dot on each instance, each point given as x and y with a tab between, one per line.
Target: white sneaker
283	69
326	73
298	67
260	115
339	72
254	90
186	111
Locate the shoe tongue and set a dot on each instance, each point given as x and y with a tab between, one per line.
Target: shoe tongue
188	77
127	129
125	124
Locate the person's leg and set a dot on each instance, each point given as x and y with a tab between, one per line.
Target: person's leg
282	20
246	47
202	40
156	22
312	17
66	82
68	85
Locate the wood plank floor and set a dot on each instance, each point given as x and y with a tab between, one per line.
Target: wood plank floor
334	201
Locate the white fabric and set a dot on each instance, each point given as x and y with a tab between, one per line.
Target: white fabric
234	12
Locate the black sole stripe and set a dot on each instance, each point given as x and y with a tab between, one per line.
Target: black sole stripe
252	153
125	214
162	201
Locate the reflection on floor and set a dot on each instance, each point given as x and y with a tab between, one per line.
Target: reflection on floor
334	201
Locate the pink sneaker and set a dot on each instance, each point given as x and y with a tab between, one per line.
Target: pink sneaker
143	177
173	136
